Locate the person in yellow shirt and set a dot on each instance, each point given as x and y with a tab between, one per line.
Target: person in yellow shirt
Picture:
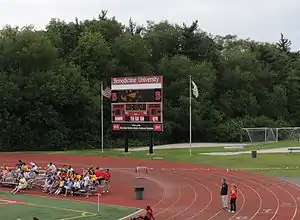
25	167
22	185
93	178
60	186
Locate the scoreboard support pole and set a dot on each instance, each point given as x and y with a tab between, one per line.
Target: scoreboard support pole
151	144
126	142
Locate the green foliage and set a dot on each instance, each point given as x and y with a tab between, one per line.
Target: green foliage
49	82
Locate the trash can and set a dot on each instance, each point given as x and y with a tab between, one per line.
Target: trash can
254	154
139	193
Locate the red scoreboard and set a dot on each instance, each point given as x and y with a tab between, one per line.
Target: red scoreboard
137	103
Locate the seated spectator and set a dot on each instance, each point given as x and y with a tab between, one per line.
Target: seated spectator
5	172
64	168
11	175
90	170
25	170
22	185
78	176
68	186
34	168
58	172
51	168
73	175
70	170
63	174
19	164
54	185
31	175
5	167
86	181
60	186
93	178
25	167
48	184
76	186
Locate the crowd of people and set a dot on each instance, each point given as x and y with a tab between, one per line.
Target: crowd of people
67	181
64	180
53	180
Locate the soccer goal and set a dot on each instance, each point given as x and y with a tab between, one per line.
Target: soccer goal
263	134
287	133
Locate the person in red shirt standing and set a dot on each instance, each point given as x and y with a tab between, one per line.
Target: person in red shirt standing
99	175
107	176
233	197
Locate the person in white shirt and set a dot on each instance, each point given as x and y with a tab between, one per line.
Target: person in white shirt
76	186
70	170
26	175
58	172
34	168
86	181
51	168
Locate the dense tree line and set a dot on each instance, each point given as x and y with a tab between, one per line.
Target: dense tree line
49	81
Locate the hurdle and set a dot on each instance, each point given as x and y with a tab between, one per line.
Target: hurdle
141	172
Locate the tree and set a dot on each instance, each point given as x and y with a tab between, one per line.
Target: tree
49	81
284	44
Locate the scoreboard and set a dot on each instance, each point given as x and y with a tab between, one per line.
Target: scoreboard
137	103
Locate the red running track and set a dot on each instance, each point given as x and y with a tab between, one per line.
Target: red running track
184	191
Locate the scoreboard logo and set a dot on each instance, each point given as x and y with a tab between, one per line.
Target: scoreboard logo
137	103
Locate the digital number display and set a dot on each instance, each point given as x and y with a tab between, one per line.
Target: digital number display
137	112
136	107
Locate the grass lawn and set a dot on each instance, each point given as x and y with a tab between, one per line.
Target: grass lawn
196	150
244	161
45	208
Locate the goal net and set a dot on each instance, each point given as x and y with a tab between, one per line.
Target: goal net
259	134
287	133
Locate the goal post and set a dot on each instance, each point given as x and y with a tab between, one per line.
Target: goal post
287	133
267	134
261	134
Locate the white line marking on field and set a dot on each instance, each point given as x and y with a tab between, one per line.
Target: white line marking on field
132	214
241	218
266	210
83	215
286	204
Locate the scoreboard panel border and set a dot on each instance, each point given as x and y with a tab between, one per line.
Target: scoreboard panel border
139	125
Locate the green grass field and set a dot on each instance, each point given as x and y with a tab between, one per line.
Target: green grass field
44	208
119	153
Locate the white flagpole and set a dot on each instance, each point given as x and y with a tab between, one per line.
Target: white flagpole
190	115
101	117
98	204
